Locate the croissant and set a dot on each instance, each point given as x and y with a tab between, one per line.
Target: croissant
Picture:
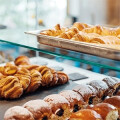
10	87
35	81
22	60
24	77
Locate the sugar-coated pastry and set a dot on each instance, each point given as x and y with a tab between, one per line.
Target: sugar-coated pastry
101	87
18	113
10	87
22	60
35	82
59	105
76	101
107	111
39	108
86	92
85	114
115	101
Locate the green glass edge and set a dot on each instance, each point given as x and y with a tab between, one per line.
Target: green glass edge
64	56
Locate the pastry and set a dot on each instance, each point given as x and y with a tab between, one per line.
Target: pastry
22	60
18	113
35	82
10	87
86	114
101	87
76	101
59	105
87	92
107	111
39	108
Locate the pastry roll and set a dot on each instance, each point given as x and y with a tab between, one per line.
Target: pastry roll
113	85
101	87
59	105
76	101
35	82
86	114
87	92
22	60
10	87
107	111
39	108
18	113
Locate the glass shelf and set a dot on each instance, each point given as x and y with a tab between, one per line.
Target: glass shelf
19	38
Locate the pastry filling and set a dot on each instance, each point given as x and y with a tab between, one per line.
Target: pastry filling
45	118
90	100
76	108
60	112
117	89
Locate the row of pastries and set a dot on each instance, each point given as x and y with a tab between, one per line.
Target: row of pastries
22	77
97	100
86	33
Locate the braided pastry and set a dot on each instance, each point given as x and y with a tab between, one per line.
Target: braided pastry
10	87
35	81
22	60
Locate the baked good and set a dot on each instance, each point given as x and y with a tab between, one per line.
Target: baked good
112	84
85	114
76	101
39	108
101	87
22	60
115	101
18	113
59	105
30	67
10	87
107	111
35	82
88	93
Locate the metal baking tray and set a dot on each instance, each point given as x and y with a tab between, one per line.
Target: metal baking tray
39	94
101	50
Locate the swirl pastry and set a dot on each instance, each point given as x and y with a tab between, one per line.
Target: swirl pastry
59	105
76	101
87	92
18	113
22	60
101	87
10	87
24	77
39	108
86	114
35	81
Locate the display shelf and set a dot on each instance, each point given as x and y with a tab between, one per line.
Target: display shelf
19	38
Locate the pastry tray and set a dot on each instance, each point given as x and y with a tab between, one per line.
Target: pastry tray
101	50
39	94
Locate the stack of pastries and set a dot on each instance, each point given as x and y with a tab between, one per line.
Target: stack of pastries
23	77
97	100
86	33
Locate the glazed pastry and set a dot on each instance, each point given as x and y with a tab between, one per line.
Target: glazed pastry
2	69
87	92
30	67
86	114
76	101
35	82
10	87
47	76
107	111
101	87
113	86
22	60
62	78
24	77
59	105
39	108
18	113
115	101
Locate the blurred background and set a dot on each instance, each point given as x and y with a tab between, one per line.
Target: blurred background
27	15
